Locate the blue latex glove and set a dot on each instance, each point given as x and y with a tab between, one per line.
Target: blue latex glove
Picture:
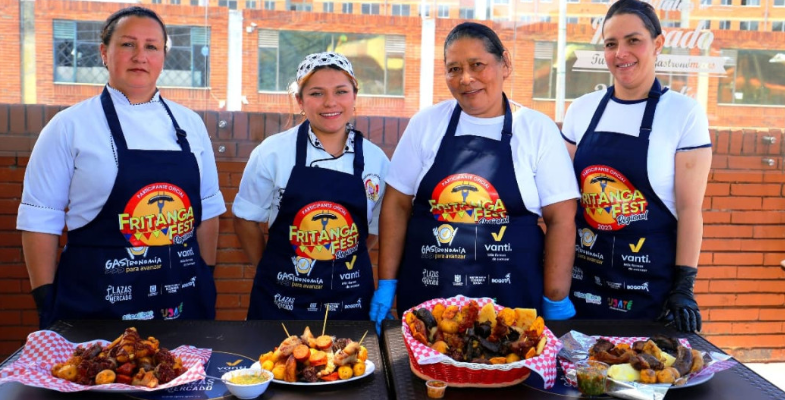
557	310
382	302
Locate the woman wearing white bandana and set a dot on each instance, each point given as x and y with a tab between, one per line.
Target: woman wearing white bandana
318	187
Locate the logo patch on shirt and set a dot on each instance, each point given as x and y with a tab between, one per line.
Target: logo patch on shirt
372	188
609	200
467	198
159	214
324	230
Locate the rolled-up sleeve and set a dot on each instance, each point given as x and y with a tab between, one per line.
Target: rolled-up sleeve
213	203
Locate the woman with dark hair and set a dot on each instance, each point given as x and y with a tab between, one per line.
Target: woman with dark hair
318	188
133	178
467	183
642	155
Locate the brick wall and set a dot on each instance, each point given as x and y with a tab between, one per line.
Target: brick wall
739	283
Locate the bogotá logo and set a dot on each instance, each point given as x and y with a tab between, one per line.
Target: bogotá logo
159	214
467	198
323	230
609	200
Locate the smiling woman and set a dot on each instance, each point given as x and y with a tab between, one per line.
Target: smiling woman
138	178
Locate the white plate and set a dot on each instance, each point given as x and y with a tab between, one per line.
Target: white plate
369	368
694	381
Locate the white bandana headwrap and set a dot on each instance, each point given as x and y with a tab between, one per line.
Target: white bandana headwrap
322	59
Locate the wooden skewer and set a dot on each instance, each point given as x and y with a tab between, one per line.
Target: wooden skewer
327	310
363	338
284	329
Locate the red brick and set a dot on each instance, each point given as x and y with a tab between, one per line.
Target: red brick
709	327
766	245
715	272
768	272
738	176
748	189
705	258
721	245
718	189
736	203
738	258
16	123
743	286
13	271
231	256
773	177
775	258
230	315
10	286
10	191
731	341
756	217
721	142
756	300
772	314
230	286
719	162
714	300
773	203
727	231
733	314
227	301
10	318
769	232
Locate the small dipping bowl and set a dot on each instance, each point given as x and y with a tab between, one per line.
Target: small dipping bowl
591	377
436	388
247	383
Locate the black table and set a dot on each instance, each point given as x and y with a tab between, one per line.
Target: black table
246	338
736	383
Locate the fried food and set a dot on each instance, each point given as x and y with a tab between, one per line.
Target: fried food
648	376
105	376
697	361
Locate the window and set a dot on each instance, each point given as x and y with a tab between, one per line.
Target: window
378	72
328	7
725	25
571	20
779	3
705	2
443	11
705	24
573	1
726	2
753	77
401	10
501	1
372	9
78	58
269	5
346	8
778	26
425	10
156	1
748	25
195	3
671	23
546	19
232	4
466	13
300	6
250	4
174	2
751	3
579	82
599	1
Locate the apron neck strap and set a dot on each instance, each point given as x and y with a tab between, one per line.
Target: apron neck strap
302	148
117	130
651	105
506	128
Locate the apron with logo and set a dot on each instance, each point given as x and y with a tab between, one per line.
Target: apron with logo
626	245
469	232
316	256
139	258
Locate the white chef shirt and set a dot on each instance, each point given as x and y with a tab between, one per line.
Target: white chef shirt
680	124
73	165
270	165
542	165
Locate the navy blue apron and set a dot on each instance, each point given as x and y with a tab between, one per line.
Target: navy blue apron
316	256
469	232
139	258
626	245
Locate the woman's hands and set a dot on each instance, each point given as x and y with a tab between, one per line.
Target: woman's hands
381	303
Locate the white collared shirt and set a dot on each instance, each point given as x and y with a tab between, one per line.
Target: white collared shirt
270	165
73	165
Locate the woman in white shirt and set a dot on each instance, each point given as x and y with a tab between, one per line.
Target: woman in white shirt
138	179
318	188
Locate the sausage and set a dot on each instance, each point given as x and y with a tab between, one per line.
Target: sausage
683	362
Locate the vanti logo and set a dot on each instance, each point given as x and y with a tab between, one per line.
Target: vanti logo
140	316
644	259
590	298
430	278
371	183
172	313
357	305
115	294
153	291
284	302
350	276
577	273
191	283
313	307
457	281
506	279
637	247
159	214
186	253
620	305
587	237
642	287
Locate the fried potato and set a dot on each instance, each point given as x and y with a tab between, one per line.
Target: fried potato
448	326
541	345
487	314
440	346
437	311
498	360
697	361
104	377
512	357
359	369
648	376
345	372
524	317
508	315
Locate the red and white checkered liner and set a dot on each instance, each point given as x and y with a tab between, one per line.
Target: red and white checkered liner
44	349
717	366
544	364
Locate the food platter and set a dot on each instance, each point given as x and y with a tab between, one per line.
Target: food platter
369	368
694	381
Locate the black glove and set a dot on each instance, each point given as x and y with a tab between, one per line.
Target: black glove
42	296
680	305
